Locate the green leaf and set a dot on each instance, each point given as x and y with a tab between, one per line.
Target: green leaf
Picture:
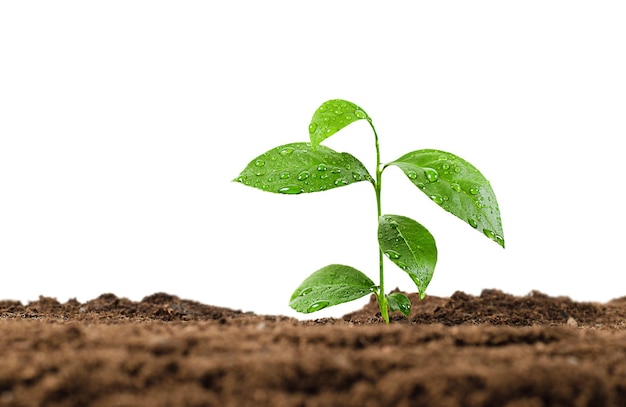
296	168
328	286
399	302
457	186
333	116
410	246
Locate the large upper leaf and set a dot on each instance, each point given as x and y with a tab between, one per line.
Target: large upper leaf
410	246
331	285
457	186
296	168
333	116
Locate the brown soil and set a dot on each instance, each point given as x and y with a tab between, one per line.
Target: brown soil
491	350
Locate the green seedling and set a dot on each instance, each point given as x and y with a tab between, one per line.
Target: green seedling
447	180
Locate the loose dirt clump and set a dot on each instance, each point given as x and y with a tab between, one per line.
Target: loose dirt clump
489	350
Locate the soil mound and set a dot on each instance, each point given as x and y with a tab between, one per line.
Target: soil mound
489	350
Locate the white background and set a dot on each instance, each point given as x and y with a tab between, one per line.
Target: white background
122	124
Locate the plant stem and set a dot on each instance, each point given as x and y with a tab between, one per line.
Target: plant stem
382	299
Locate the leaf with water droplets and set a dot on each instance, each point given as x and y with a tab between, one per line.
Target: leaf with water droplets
413	246
332	116
297	168
457	186
331	285
399	302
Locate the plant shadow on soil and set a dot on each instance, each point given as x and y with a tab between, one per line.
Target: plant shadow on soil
494	349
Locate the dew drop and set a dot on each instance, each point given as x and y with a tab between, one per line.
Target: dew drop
259	173
270	179
341	181
291	190
431	175
336	170
392	254
322	108
306	291
456	187
317	305
312	127
241	178
303	175
472	223
338	112
473	191
357	176
437	199
499	240
392	223
284	175
489	234
420	185
321	167
259	163
286	151
323	176
411	174
446	166
360	114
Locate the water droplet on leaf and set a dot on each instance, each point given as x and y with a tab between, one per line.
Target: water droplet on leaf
357	176
259	163
303	175
291	190
341	181
472	223
360	114
437	199
392	254
473	191
286	151
431	175
284	175
411	174
321	167
317	305
456	187
312	127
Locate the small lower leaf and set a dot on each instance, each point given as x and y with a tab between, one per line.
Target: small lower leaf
410	246
399	302
331	285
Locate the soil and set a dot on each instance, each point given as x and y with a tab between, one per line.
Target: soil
489	350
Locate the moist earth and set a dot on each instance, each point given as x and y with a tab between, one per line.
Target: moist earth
494	349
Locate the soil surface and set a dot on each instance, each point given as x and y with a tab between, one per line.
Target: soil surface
489	350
